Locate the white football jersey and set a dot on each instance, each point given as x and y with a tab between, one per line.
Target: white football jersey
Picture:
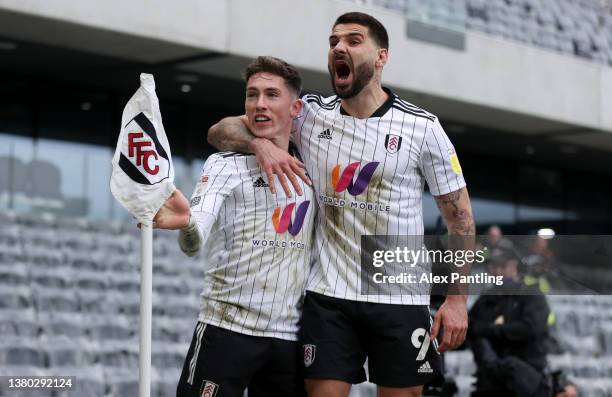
369	176
258	249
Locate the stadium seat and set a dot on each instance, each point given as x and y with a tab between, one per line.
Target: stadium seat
91	280
111	327
165	266
119	265
9	233
117	354
169	355
44	256
120	382
15	297
130	305
106	228
58	277
15	273
73	224
21	352
122	244
125	282
33	220
63	351
20	322
175	306
39	237
56	300
169	285
78	241
164	380
58	324
88	260
92	302
172	330
11	253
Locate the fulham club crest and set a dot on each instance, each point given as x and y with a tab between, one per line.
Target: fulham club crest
143	157
309	354
209	389
393	143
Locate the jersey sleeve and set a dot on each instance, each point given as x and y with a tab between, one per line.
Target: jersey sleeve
219	177
439	162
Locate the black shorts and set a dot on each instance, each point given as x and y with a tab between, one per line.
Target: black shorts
337	335
222	363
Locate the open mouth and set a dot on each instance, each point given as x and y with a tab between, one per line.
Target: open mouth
261	119
343	70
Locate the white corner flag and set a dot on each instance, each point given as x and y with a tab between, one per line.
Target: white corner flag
142	180
143	174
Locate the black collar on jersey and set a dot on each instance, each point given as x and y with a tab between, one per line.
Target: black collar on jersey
235	154
293	150
381	110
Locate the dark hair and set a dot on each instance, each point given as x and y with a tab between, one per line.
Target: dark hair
276	66
376	29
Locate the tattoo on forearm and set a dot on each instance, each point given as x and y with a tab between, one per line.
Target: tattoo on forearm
461	221
230	135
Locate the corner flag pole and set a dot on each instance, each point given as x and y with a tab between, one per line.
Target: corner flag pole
142	180
146	309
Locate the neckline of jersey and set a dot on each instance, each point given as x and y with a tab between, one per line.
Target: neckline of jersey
381	110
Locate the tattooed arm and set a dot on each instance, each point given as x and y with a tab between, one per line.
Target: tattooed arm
233	134
456	209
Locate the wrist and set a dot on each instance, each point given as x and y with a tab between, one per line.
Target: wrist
255	144
457	298
190	225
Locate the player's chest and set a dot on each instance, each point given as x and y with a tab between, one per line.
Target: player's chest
255	199
341	145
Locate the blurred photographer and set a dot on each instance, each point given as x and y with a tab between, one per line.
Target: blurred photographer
507	331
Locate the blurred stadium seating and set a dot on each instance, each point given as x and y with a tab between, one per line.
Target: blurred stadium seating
70	307
577	27
69	304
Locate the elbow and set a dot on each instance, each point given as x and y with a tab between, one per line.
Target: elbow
212	135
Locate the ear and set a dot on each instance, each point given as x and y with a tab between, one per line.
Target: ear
296	108
383	55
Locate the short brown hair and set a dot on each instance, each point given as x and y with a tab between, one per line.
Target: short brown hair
376	29
278	67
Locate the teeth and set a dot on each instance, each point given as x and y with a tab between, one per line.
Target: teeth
261	118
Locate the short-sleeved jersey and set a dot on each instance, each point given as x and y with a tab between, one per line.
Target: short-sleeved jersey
369	176
258	251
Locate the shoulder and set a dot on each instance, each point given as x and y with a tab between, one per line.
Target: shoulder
319	101
407	107
225	161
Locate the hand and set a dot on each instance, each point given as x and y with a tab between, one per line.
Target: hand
276	161
174	214
569	391
452	315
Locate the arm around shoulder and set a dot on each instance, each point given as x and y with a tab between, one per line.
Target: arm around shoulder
231	134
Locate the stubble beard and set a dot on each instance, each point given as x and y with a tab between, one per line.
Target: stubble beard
362	76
